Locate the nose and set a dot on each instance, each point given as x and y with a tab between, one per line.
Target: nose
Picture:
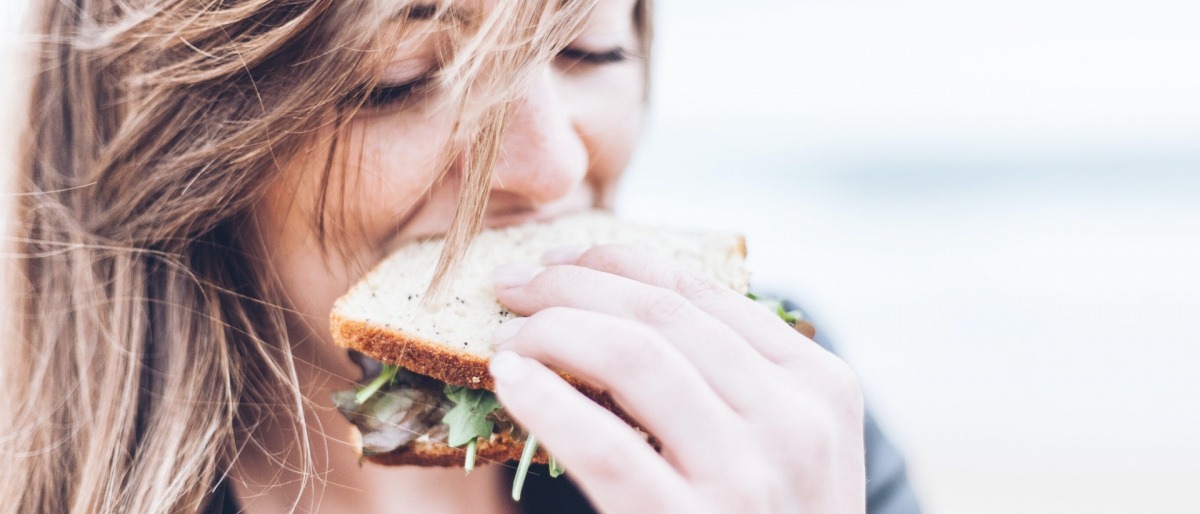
543	157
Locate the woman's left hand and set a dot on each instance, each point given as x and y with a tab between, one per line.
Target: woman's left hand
752	416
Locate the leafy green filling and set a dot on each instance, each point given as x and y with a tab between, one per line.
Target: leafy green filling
386	375
527	454
790	317
468	421
555	468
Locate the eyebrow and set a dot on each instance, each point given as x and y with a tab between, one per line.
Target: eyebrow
429	11
419	12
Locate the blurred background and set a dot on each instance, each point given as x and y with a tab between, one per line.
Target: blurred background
993	208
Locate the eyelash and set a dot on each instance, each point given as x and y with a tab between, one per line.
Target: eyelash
615	55
385	95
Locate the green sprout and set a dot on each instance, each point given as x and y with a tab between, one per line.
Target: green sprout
386	375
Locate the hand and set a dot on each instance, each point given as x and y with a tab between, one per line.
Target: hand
752	416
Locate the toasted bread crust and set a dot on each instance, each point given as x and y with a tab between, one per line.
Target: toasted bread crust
502	448
413	353
437	361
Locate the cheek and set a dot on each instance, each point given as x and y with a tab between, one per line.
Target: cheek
391	162
382	169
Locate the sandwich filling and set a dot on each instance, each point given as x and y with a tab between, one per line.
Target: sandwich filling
396	408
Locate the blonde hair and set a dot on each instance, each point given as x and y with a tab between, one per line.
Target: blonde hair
148	332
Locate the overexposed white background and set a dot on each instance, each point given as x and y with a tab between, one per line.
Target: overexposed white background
992	207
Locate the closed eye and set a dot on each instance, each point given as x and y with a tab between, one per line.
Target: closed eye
576	55
385	95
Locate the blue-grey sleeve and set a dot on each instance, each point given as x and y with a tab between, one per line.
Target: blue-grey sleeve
888	488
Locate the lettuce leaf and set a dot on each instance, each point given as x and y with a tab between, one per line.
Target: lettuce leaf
468	419
790	317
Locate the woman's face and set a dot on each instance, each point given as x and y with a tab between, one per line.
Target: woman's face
568	141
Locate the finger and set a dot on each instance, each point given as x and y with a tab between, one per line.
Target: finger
613	464
721	355
774	338
646	375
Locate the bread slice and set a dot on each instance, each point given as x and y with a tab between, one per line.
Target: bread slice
386	317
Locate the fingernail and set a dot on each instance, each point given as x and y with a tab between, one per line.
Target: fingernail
508	367
515	274
507	330
563	255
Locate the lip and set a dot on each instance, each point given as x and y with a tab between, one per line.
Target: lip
520	218
580	200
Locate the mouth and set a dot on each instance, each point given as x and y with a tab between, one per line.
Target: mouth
503	211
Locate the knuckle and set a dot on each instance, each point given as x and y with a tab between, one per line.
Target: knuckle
561	274
794	354
606	256
601	462
811	447
552	316
540	324
841	390
826	371
662	308
696	286
543	331
633	355
845	380
605	459
745	490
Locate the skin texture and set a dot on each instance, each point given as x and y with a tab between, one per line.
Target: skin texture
717	378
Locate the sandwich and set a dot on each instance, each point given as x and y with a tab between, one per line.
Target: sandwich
425	398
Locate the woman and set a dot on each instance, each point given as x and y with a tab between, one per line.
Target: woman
201	179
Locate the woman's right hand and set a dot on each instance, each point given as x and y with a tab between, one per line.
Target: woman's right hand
752	416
